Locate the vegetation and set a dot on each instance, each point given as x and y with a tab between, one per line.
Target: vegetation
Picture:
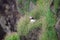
45	19
47	23
13	36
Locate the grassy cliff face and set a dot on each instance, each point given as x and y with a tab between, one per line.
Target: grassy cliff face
49	32
45	20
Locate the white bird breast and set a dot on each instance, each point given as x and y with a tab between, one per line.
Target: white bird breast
32	20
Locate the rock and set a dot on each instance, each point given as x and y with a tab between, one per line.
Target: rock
8	17
31	6
57	27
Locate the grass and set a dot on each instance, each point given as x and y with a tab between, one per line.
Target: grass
24	26
49	32
56	5
44	19
51	20
13	36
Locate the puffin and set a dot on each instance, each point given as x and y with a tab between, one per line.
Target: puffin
32	20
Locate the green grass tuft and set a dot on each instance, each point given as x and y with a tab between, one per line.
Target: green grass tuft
13	36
